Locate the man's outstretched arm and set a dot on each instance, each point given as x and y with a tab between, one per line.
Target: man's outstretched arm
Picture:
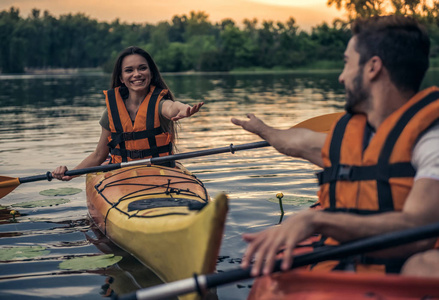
295	142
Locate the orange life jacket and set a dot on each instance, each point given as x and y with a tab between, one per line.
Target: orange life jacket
378	178
145	137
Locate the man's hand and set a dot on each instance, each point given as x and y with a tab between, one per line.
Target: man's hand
264	246
253	125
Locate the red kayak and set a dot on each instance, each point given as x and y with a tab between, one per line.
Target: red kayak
305	285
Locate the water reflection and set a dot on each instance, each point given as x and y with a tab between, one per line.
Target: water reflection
128	275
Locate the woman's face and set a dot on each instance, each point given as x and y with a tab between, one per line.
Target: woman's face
135	73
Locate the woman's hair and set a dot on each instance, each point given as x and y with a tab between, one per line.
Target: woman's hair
402	44
156	80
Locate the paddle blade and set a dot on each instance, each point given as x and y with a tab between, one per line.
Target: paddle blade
7	185
321	123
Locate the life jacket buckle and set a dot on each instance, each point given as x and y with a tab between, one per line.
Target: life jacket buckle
136	154
128	136
344	172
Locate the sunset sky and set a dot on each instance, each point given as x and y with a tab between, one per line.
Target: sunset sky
307	13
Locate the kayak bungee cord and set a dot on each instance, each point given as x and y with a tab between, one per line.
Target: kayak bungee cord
171	188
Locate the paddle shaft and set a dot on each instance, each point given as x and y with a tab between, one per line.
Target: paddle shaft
321	123
154	160
202	283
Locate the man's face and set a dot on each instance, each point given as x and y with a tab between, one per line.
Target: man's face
352	79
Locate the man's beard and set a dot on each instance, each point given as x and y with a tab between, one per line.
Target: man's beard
357	95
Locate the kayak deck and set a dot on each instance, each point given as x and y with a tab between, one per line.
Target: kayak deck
162	216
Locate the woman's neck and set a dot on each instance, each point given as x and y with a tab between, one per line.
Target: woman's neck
137	97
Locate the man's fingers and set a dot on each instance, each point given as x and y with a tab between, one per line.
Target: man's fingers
270	258
248	237
251	238
264	257
288	257
237	121
257	264
273	245
263	247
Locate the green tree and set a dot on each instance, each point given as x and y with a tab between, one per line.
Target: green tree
198	24
332	40
9	20
359	8
189	42
178	28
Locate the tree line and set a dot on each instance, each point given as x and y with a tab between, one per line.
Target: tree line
187	42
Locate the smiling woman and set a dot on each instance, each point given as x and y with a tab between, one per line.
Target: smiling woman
138	121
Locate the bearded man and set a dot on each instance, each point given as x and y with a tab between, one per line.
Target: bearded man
380	161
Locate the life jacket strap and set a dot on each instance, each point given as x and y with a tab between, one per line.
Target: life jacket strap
359	173
119	137
138	154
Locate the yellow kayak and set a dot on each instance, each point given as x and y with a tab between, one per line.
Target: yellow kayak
162	216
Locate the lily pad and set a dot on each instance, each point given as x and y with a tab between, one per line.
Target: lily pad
41	203
90	262
60	192
14	253
295	200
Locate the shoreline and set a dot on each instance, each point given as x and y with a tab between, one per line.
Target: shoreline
251	70
59	71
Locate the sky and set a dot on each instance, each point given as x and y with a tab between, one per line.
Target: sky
307	13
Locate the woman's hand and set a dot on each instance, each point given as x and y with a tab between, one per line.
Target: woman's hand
187	111
59	172
175	111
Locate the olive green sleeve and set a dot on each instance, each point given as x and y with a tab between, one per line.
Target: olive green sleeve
165	123
104	121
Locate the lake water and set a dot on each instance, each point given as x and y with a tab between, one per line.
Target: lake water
46	121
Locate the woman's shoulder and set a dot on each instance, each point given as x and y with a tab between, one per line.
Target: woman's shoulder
105	121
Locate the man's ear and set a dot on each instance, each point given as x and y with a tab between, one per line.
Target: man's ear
374	67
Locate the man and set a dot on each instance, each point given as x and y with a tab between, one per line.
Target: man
381	160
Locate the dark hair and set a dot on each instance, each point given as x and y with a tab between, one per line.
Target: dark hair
402	44
156	77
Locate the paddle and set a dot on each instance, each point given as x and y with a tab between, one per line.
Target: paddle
201	283
321	123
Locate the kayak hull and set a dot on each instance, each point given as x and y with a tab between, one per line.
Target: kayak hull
305	285
144	210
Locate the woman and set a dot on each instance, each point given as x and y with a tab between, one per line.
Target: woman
139	119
